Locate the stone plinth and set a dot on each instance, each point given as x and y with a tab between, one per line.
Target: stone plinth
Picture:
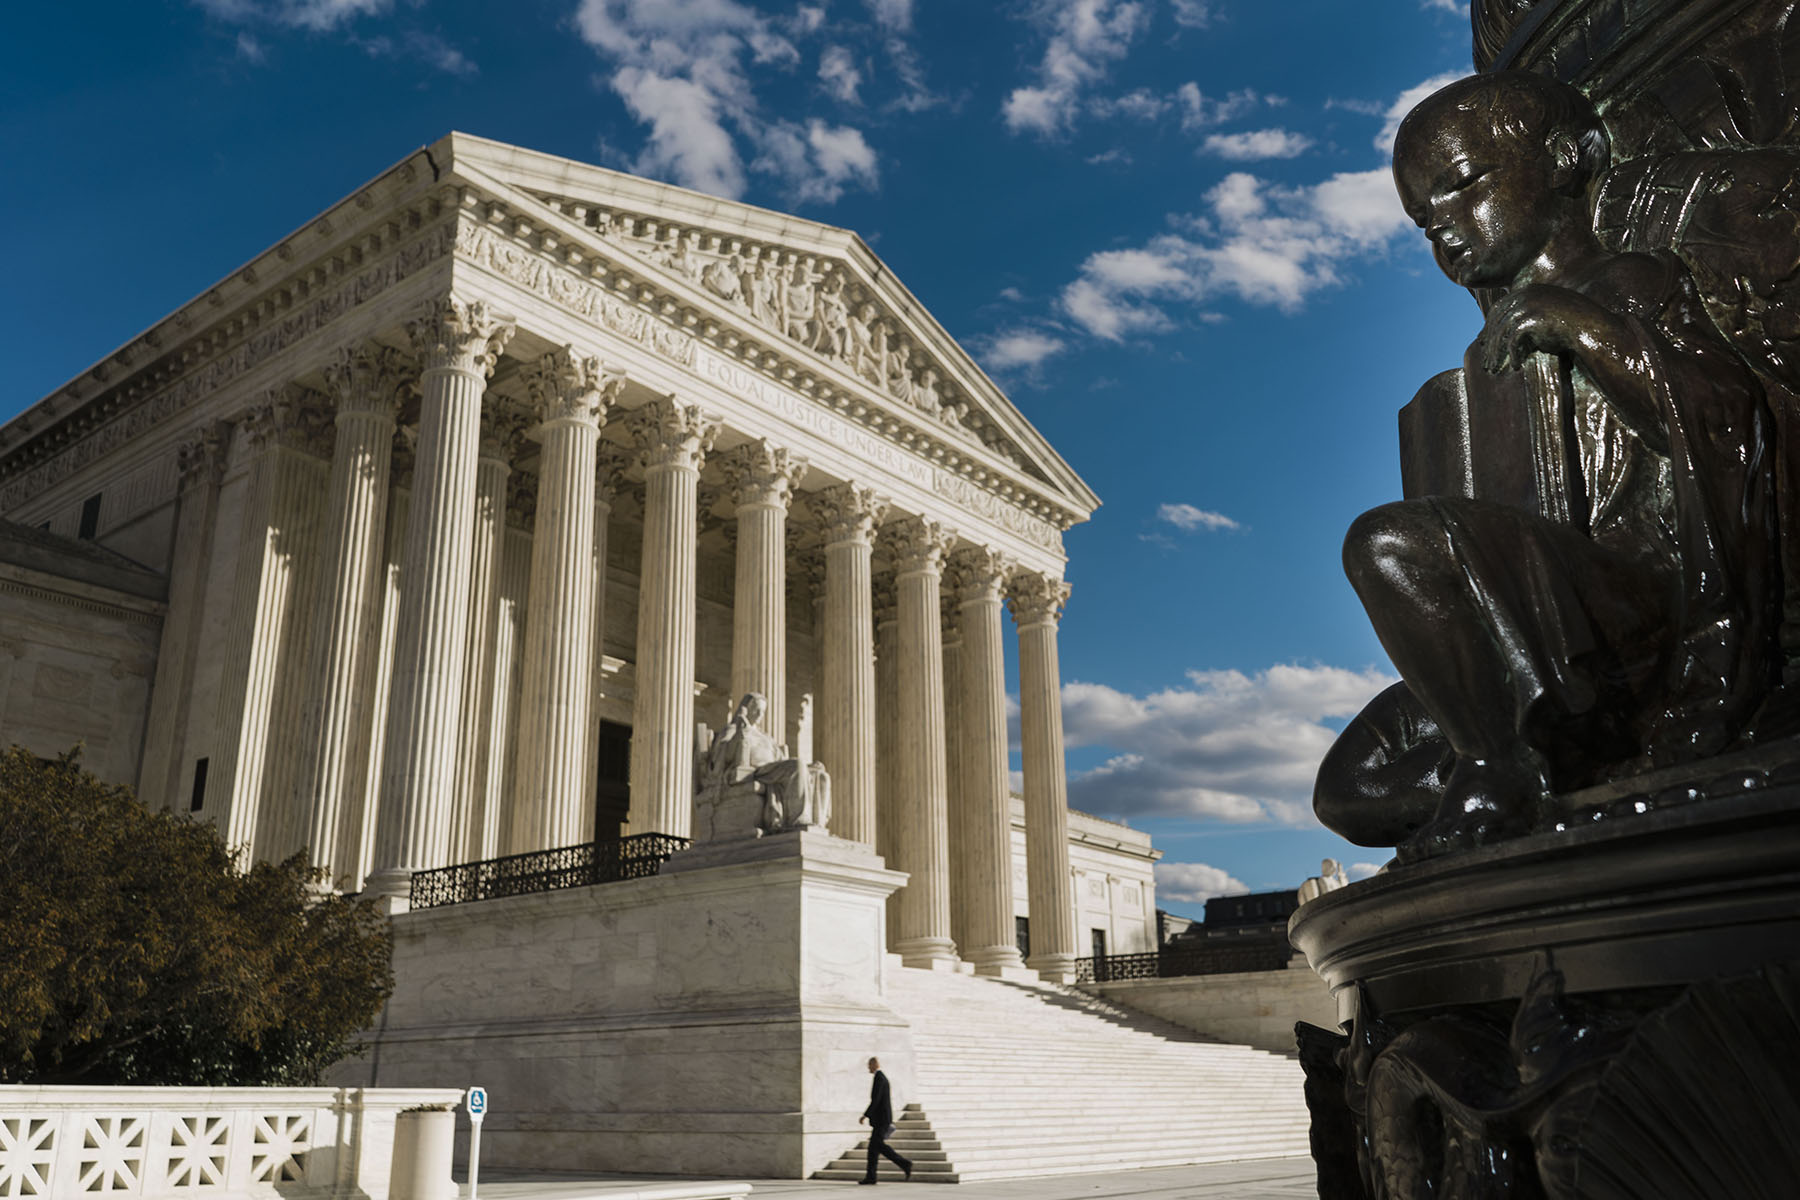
1551	1014
712	1020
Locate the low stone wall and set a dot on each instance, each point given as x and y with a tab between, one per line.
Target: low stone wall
1252	1008
229	1143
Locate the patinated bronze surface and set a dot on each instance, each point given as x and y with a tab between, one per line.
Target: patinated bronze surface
1585	580
1581	980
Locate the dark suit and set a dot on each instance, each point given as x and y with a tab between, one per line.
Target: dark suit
880	1115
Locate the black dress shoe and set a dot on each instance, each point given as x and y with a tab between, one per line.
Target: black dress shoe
909	1170
867	1181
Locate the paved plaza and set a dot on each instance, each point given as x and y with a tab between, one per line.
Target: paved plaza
1269	1179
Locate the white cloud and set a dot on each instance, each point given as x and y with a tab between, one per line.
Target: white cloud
318	16
1257	144
1197	14
1139	105
684	70
1086	38
837	70
328	16
1460	7
1227	746
250	49
1194	883
892	14
1188	518
1021	348
1361	870
1199	111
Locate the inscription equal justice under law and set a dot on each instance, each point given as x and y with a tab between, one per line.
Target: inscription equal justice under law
811	417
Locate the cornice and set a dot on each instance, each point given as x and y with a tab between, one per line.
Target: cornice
208	344
549	253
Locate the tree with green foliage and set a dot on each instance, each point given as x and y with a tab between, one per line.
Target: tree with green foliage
134	950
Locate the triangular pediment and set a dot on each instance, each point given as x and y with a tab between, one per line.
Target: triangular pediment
813	292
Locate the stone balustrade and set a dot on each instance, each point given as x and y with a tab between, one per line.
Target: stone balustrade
227	1143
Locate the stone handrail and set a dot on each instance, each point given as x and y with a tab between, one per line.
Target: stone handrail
229	1143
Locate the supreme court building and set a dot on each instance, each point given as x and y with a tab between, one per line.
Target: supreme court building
472	497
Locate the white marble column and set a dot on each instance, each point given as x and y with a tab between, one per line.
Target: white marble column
608	475
919	545
1037	604
201	463
674	440
847	707
277	433
509	644
886	611
458	344
501	430
954	789
983	836
368	380
571	395
760	479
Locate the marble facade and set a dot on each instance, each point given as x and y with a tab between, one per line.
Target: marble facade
506	457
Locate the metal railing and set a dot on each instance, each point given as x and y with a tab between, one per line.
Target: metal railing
545	870
1173	962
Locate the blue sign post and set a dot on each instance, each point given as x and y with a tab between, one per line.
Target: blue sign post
477	1103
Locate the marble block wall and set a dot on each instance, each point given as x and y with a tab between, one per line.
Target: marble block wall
1251	1008
713	1020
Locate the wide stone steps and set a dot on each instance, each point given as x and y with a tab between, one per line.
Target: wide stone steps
1023	1079
912	1140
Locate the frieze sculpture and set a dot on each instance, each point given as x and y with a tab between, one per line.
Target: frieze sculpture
1599	593
746	784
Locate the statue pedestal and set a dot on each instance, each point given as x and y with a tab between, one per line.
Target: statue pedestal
715	1019
1612	1010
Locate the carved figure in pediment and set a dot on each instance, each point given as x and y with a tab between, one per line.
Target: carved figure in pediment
672	252
925	395
1591	586
833	317
867	341
764	290
899	370
797	303
723	278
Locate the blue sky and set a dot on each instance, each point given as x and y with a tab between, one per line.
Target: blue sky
1164	226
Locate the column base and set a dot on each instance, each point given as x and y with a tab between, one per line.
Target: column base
1001	962
391	889
928	953
1053	968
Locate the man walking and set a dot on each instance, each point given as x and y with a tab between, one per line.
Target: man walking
880	1116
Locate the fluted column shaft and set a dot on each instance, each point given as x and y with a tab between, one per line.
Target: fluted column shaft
761	479
887	737
847	712
553	789
608	475
1037	607
983	837
474	799
674	440
459	344
923	842
955	791
367	379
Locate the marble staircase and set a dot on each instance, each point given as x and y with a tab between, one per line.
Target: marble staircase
1030	1079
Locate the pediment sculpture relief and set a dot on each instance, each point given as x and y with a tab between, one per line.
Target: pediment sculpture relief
810	301
746	784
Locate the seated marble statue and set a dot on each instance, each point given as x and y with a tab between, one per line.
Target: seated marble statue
1598	595
743	762
1330	878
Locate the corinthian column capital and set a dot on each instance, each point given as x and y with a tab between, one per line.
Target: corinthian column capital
761	474
978	574
849	513
669	434
566	386
502	431
453	336
201	459
1037	599
290	416
610	465
919	544
370	378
